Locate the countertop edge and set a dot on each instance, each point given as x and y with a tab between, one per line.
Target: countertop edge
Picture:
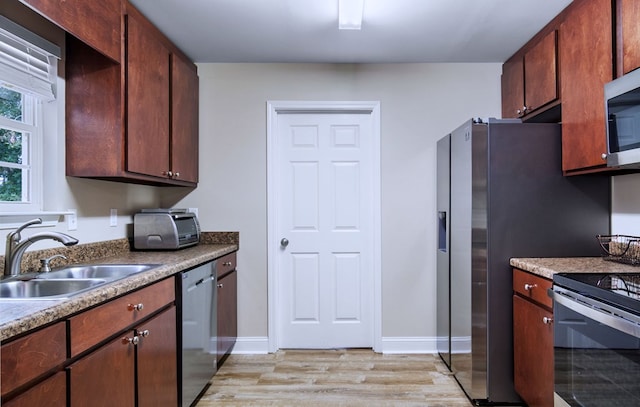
18	317
547	267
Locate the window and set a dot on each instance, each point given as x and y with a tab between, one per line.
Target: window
27	77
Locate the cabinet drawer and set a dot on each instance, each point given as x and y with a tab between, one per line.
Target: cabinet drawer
531	286
51	392
30	356
225	264
90	327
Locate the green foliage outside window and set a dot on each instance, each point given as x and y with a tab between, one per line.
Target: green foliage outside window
10	147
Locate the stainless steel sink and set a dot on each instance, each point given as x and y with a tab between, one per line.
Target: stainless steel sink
46	289
105	271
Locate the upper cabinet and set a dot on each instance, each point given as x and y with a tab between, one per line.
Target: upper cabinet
628	36
137	121
530	78
96	23
586	64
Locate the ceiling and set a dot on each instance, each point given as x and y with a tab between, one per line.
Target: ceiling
392	30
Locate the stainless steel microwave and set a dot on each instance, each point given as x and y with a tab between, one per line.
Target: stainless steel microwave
622	103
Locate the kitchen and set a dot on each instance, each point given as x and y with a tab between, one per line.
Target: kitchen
414	97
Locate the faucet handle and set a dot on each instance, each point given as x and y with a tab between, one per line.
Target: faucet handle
15	235
44	263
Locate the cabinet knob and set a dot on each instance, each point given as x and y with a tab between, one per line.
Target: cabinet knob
604	156
220	285
133	341
227	263
547	320
176	174
529	287
519	112
144	333
135	307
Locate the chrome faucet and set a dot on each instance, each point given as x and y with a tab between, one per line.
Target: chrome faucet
15	247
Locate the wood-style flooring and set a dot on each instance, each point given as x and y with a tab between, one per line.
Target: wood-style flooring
354	377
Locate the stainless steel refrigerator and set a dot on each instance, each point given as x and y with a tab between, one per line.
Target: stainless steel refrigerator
501	194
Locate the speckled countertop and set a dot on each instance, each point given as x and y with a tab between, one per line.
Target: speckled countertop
547	267
17	317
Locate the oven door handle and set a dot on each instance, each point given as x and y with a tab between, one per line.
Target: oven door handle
597	311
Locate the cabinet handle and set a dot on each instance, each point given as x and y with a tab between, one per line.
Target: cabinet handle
144	333
227	263
547	320
519	112
135	307
176	174
133	341
220	285
604	156
529	287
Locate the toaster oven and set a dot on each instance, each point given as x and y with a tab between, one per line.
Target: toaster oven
165	229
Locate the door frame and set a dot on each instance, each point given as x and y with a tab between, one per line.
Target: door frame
275	108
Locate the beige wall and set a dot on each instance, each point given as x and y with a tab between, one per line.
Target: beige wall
419	104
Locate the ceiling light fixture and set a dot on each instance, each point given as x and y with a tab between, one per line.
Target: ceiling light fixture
350	14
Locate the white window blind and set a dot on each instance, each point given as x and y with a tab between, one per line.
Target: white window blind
27	61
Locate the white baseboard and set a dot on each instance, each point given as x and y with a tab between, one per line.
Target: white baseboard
249	345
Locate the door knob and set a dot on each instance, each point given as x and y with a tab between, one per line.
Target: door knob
284	242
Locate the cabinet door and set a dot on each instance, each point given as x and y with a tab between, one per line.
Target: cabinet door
51	392
540	73
147	100
586	65
184	123
629	30
227	313
105	377
157	361
513	88
32	355
533	353
96	23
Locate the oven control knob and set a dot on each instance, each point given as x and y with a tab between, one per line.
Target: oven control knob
547	320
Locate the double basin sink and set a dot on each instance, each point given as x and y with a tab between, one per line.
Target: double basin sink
66	282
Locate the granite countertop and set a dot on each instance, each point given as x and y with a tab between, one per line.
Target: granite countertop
19	316
547	267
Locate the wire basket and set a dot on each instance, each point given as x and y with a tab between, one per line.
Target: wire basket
620	248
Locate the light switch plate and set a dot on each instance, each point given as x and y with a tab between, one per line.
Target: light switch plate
72	220
113	218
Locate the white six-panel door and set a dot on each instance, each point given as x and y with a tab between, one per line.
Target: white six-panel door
325	226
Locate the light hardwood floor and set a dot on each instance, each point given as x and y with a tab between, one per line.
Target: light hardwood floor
354	377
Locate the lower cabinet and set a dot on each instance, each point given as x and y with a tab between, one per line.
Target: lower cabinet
227	313
145	356
105	377
532	339
51	392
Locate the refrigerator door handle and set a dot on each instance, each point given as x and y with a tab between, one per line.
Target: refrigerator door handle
442	231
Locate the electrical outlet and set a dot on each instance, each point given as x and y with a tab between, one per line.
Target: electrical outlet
194	211
72	220
113	218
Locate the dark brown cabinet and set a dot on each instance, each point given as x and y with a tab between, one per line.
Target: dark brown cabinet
147	80
532	339
133	122
530	79
157	361
586	52
628	36
29	359
96	23
141	361
51	392
105	377
227	313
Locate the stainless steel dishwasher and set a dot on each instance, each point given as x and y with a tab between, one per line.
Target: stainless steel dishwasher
198	339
